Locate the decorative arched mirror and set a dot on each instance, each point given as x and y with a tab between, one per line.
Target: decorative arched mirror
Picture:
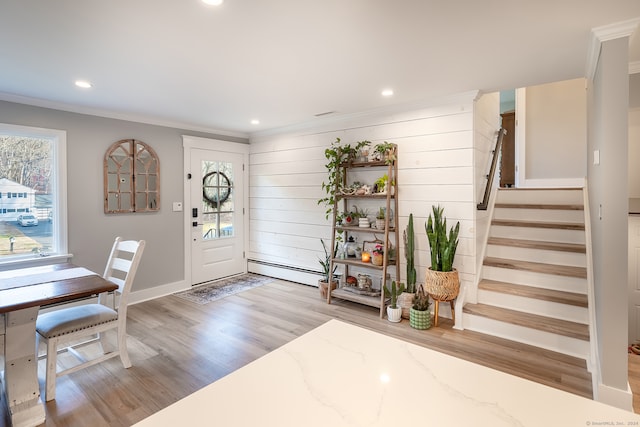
131	178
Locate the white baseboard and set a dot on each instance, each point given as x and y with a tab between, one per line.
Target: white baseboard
157	292
622	399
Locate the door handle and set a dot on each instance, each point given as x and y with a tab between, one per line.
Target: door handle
194	213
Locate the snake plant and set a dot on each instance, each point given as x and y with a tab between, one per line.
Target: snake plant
443	248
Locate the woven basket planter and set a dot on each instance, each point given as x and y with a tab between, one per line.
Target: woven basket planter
442	285
376	259
405	301
419	319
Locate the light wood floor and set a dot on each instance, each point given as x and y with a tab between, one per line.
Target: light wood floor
178	347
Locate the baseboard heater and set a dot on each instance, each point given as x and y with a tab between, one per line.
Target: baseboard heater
286	272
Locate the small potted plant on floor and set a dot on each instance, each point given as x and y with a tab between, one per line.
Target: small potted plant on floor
327	276
405	300
419	315
394	313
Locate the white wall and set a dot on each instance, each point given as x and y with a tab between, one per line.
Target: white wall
556	130
436	163
608	132
634	153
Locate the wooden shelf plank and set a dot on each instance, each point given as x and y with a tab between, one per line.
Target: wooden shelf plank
361	299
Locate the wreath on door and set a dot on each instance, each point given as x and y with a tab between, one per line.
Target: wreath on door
216	188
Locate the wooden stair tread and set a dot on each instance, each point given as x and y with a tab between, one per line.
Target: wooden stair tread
537	267
547	324
552	295
538	224
563	207
535	244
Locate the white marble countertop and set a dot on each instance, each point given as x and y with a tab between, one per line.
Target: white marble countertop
343	375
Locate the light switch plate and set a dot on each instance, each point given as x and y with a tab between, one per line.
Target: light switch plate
177	206
596	157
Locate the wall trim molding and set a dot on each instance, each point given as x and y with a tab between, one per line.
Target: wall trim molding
130	117
157	292
605	33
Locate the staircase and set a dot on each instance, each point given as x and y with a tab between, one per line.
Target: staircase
534	286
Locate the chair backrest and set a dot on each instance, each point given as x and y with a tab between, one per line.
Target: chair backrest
122	265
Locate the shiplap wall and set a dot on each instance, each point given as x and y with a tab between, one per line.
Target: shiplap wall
437	152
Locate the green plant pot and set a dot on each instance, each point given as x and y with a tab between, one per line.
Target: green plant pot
419	319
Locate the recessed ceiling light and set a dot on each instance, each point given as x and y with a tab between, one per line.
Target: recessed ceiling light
387	92
213	2
255	122
83	84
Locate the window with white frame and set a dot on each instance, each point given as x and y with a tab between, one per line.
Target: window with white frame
33	188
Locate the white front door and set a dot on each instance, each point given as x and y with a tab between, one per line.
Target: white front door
634	279
216	214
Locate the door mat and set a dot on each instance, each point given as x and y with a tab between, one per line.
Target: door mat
205	293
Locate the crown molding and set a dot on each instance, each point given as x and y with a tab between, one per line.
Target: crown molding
605	33
131	117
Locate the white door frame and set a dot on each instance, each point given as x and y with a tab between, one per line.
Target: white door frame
189	142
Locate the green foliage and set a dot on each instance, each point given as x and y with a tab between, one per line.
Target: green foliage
380	214
326	263
421	300
409	248
394	292
337	155
387	151
443	248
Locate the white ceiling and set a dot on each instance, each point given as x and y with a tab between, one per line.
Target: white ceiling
185	64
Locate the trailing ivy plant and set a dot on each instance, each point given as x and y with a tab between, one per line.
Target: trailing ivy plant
337	155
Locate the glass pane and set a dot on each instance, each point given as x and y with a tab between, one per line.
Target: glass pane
141	183
125	202
226	224
112	167
112	202
152	198
27	169
112	182
209	226
141	201
125	166
153	179
124	180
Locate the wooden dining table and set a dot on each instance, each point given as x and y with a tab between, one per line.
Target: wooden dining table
22	293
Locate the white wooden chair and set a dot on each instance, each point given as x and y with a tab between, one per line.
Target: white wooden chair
74	323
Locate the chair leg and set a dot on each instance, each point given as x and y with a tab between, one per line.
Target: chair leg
51	370
122	348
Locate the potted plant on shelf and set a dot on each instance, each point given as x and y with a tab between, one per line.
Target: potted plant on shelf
405	300
386	151
380	222
442	281
377	255
419	315
327	276
394	313
337	155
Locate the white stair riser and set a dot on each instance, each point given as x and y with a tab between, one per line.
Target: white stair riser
559	197
549	341
539	234
549	281
551	215
534	306
537	255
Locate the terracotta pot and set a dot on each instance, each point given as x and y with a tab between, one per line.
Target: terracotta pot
324	286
